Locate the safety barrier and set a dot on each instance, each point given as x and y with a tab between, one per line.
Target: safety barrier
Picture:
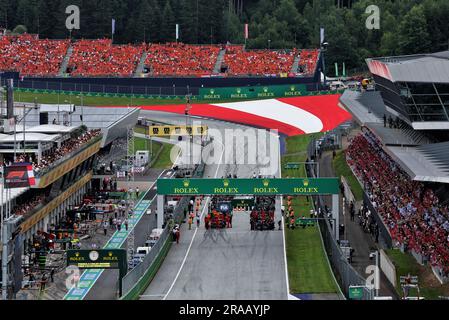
345	274
388	268
176	94
385	237
384	233
138	279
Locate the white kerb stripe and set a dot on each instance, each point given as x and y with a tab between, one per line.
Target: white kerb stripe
279	111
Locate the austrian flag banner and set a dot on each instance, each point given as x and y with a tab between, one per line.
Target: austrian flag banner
31	179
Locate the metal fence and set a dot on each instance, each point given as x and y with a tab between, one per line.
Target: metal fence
133	277
345	274
91	88
385	236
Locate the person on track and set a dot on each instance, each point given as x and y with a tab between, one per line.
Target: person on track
105	228
177	235
207	221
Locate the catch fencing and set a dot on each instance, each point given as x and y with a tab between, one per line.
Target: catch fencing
89	89
345	274
138	279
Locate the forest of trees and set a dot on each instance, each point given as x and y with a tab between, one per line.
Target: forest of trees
406	26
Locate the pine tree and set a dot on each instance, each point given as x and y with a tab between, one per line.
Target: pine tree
413	35
168	23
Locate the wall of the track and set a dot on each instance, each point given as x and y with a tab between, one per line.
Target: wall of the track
148	275
138	279
152	86
344	272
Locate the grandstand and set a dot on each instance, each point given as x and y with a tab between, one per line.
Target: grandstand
178	59
263	62
401	156
62	146
31	56
101	58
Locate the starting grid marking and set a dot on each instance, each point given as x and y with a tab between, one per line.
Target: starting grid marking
90	276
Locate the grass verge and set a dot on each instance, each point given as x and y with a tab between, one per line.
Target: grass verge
429	286
341	168
163	160
308	269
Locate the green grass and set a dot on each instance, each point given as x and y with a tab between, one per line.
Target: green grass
50	98
341	168
142	144
429	286
164	161
140	130
308	269
299	143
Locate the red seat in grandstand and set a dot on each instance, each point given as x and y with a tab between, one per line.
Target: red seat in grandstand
260	62
178	59
410	210
101	58
32	56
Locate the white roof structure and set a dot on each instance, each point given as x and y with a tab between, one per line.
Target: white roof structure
30	137
57	108
48	128
414	68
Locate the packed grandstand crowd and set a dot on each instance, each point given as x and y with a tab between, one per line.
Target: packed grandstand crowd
32	56
101	58
261	62
51	156
28	206
410	210
181	59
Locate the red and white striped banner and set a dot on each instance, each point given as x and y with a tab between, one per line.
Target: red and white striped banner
290	116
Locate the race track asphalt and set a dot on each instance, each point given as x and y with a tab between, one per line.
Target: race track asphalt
234	264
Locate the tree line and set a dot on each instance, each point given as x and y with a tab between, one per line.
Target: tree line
406	26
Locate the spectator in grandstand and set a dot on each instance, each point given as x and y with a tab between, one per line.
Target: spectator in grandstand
101	58
68	146
182	59
30	55
261	62
410	210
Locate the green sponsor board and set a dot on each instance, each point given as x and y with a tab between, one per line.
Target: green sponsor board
98	259
242	202
356	292
253	92
292	165
305	221
247	186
